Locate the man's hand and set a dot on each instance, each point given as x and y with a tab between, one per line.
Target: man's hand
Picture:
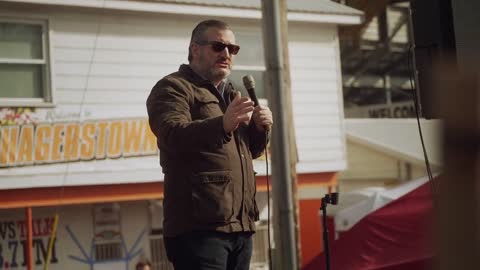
237	112
262	117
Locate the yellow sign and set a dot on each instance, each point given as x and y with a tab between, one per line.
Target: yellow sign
66	142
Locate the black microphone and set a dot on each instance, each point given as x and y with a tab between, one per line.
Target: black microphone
249	83
331	198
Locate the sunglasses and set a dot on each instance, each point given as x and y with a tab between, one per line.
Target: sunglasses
218	46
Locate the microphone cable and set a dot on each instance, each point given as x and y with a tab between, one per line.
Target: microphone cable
62	188
417	111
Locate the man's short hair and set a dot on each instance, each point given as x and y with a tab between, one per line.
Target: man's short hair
141	265
198	33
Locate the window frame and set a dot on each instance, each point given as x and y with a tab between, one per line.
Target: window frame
246	69
108	243
46	62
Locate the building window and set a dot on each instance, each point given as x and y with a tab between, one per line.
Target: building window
107	229
251	49
236	78
24	63
250	61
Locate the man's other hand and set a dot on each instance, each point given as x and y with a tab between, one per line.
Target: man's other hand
262	116
238	111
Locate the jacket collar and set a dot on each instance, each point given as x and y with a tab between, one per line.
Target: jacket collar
192	76
198	80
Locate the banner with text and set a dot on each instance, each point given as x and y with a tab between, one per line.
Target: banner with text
46	143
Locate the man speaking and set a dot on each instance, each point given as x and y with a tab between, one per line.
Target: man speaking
208	135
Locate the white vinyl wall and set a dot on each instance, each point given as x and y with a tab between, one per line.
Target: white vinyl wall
105	62
317	97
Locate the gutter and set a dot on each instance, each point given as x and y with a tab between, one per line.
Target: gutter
167	8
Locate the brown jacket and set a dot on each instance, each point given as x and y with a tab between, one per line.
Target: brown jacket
209	178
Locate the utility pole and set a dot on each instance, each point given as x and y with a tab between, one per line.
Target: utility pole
274	21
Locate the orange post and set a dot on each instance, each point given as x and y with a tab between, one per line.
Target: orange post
28	212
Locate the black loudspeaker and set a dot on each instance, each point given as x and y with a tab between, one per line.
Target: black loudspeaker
434	39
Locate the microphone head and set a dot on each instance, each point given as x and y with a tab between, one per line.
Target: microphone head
331	198
248	82
334	198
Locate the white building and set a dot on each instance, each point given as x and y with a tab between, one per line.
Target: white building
74	140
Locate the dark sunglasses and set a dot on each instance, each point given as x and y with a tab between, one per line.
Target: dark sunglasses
218	46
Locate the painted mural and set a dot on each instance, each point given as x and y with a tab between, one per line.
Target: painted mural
89	258
13	235
17	116
80	237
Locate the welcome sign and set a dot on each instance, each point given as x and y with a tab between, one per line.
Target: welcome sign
31	144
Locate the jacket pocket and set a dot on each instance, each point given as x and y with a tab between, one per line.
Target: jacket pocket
254	213
206	98
256	216
212	197
207	106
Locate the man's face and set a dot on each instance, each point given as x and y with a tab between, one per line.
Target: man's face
214	65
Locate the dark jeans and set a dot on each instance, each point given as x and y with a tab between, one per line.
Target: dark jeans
210	250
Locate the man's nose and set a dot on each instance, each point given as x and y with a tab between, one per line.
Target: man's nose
225	52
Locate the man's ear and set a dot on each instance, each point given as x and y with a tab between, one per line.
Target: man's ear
194	47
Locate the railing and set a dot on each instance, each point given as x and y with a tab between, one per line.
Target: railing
108	251
159	255
260	249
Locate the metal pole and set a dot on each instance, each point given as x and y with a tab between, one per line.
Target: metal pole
29	244
325	234
285	238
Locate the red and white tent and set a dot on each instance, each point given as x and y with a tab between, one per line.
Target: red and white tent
393	237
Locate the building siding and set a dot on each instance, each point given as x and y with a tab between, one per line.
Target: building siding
316	88
105	64
370	167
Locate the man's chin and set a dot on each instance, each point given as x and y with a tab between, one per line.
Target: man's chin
222	72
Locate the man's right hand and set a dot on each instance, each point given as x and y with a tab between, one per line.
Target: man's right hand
238	111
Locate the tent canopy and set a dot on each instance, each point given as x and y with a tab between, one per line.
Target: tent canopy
395	236
355	205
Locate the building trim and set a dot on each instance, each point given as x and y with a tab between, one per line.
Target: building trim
55	196
197	10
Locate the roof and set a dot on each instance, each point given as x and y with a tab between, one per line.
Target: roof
399	138
312	11
304	6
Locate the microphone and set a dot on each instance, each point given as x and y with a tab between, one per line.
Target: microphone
249	84
331	198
